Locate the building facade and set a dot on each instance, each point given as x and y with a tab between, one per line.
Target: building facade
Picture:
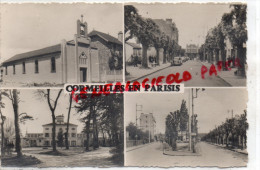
132	50
192	51
148	123
75	61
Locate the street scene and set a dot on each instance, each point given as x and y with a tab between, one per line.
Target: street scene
47	128
164	39
195	128
79	44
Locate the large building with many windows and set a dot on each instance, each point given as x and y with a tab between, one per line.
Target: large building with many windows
45	138
148	124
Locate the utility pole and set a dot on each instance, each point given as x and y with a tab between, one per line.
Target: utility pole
149	129
141	106
189	123
192	119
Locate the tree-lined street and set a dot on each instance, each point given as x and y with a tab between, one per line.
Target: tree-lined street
209	155
194	67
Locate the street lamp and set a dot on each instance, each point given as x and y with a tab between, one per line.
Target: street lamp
192	121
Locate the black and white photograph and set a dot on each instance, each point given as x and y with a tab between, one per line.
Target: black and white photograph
208	40
45	45
198	128
47	128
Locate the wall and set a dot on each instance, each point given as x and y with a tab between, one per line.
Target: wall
44	75
104	55
63	127
128	52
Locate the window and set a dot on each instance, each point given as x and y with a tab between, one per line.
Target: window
23	67
53	65
46	128
46	134
73	128
5	70
73	135
14	69
36	66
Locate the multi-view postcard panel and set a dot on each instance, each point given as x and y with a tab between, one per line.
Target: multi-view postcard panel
79	44
204	39
203	46
195	128
87	133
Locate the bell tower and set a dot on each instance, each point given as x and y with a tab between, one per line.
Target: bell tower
82	28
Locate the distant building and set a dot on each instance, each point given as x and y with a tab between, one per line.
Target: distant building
169	28
83	59
132	50
192	51
148	123
61	126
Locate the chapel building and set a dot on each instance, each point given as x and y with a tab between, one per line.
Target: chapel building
85	59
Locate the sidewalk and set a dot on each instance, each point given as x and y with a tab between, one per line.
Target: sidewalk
235	150
229	76
137	147
138	72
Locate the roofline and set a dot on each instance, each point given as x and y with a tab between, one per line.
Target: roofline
5	63
50	124
98	34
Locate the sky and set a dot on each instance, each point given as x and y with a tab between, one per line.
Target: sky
192	20
37	107
212	106
26	27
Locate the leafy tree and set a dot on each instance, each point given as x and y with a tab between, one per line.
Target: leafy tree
165	45
172	124
157	43
88	107
60	138
132	19
234	26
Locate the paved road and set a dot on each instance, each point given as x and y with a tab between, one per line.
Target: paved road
210	155
194	67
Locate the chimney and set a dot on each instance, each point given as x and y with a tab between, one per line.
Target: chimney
169	21
120	36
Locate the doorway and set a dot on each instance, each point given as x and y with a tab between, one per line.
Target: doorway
83	74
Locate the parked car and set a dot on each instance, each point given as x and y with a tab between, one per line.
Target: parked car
177	61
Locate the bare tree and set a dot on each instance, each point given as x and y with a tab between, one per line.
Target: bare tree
52	105
68	122
13	96
3	118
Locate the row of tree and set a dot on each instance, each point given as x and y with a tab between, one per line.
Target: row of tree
231	133
136	133
102	114
232	27
176	121
149	34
